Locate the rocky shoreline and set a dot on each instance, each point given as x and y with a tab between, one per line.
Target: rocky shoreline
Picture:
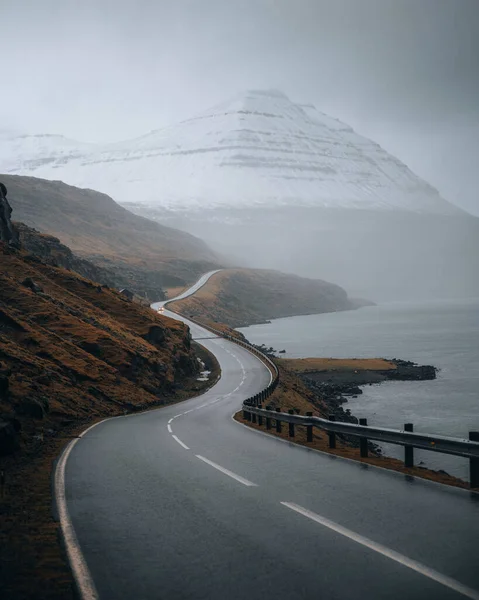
335	387
331	388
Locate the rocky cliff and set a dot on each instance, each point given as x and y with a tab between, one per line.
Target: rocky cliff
7	231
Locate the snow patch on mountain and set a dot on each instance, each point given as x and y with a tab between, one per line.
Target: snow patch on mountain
258	149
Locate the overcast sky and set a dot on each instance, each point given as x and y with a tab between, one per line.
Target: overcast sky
403	72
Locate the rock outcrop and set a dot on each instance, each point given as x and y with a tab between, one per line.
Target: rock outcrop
50	250
8	234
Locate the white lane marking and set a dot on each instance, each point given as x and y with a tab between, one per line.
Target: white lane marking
169	428
177	439
385	551
226	472
79	567
171	420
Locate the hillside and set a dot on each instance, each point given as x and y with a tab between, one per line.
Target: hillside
72	352
143	254
241	297
72	349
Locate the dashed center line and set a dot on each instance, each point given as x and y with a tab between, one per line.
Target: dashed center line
177	439
385	551
227	472
223	397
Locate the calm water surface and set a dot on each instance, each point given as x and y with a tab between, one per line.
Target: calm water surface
442	333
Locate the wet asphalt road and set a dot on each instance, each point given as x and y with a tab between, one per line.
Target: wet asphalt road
157	519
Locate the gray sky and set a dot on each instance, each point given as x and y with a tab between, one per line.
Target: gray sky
403	72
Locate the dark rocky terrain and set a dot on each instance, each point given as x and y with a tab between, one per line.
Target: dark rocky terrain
334	387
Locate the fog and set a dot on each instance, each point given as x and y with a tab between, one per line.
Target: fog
400	71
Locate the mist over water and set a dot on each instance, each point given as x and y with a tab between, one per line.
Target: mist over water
442	333
378	255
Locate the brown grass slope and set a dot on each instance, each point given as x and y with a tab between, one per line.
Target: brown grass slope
76	349
71	352
240	297
94	226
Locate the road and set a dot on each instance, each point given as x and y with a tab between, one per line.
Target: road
184	503
189	292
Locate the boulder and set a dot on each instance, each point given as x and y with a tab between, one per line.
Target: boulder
32	408
9	441
29	283
4	384
155	335
8	234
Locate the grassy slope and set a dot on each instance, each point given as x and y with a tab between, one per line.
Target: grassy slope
240	297
307	365
77	352
78	338
92	225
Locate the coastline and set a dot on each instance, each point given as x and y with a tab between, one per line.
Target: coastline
331	382
335	386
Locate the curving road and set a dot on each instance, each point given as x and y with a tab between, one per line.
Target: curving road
184	503
189	292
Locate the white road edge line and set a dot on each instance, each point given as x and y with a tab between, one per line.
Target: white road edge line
226	472
177	439
81	573
169	428
79	567
385	551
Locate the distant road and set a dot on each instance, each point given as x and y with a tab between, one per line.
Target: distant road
189	292
184	503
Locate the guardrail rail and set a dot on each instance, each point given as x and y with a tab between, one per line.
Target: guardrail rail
254	412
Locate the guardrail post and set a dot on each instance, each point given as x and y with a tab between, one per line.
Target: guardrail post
253	417
268	419
309	429
363	442
474	463
332	434
278	422
408	450
260	417
291	425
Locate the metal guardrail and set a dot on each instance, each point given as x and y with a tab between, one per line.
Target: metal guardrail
253	411
466	448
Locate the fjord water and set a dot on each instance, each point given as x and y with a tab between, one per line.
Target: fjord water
444	333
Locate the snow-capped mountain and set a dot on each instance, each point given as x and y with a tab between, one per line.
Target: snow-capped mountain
259	149
26	152
275	184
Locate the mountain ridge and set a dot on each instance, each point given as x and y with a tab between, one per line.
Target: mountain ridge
258	149
146	254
